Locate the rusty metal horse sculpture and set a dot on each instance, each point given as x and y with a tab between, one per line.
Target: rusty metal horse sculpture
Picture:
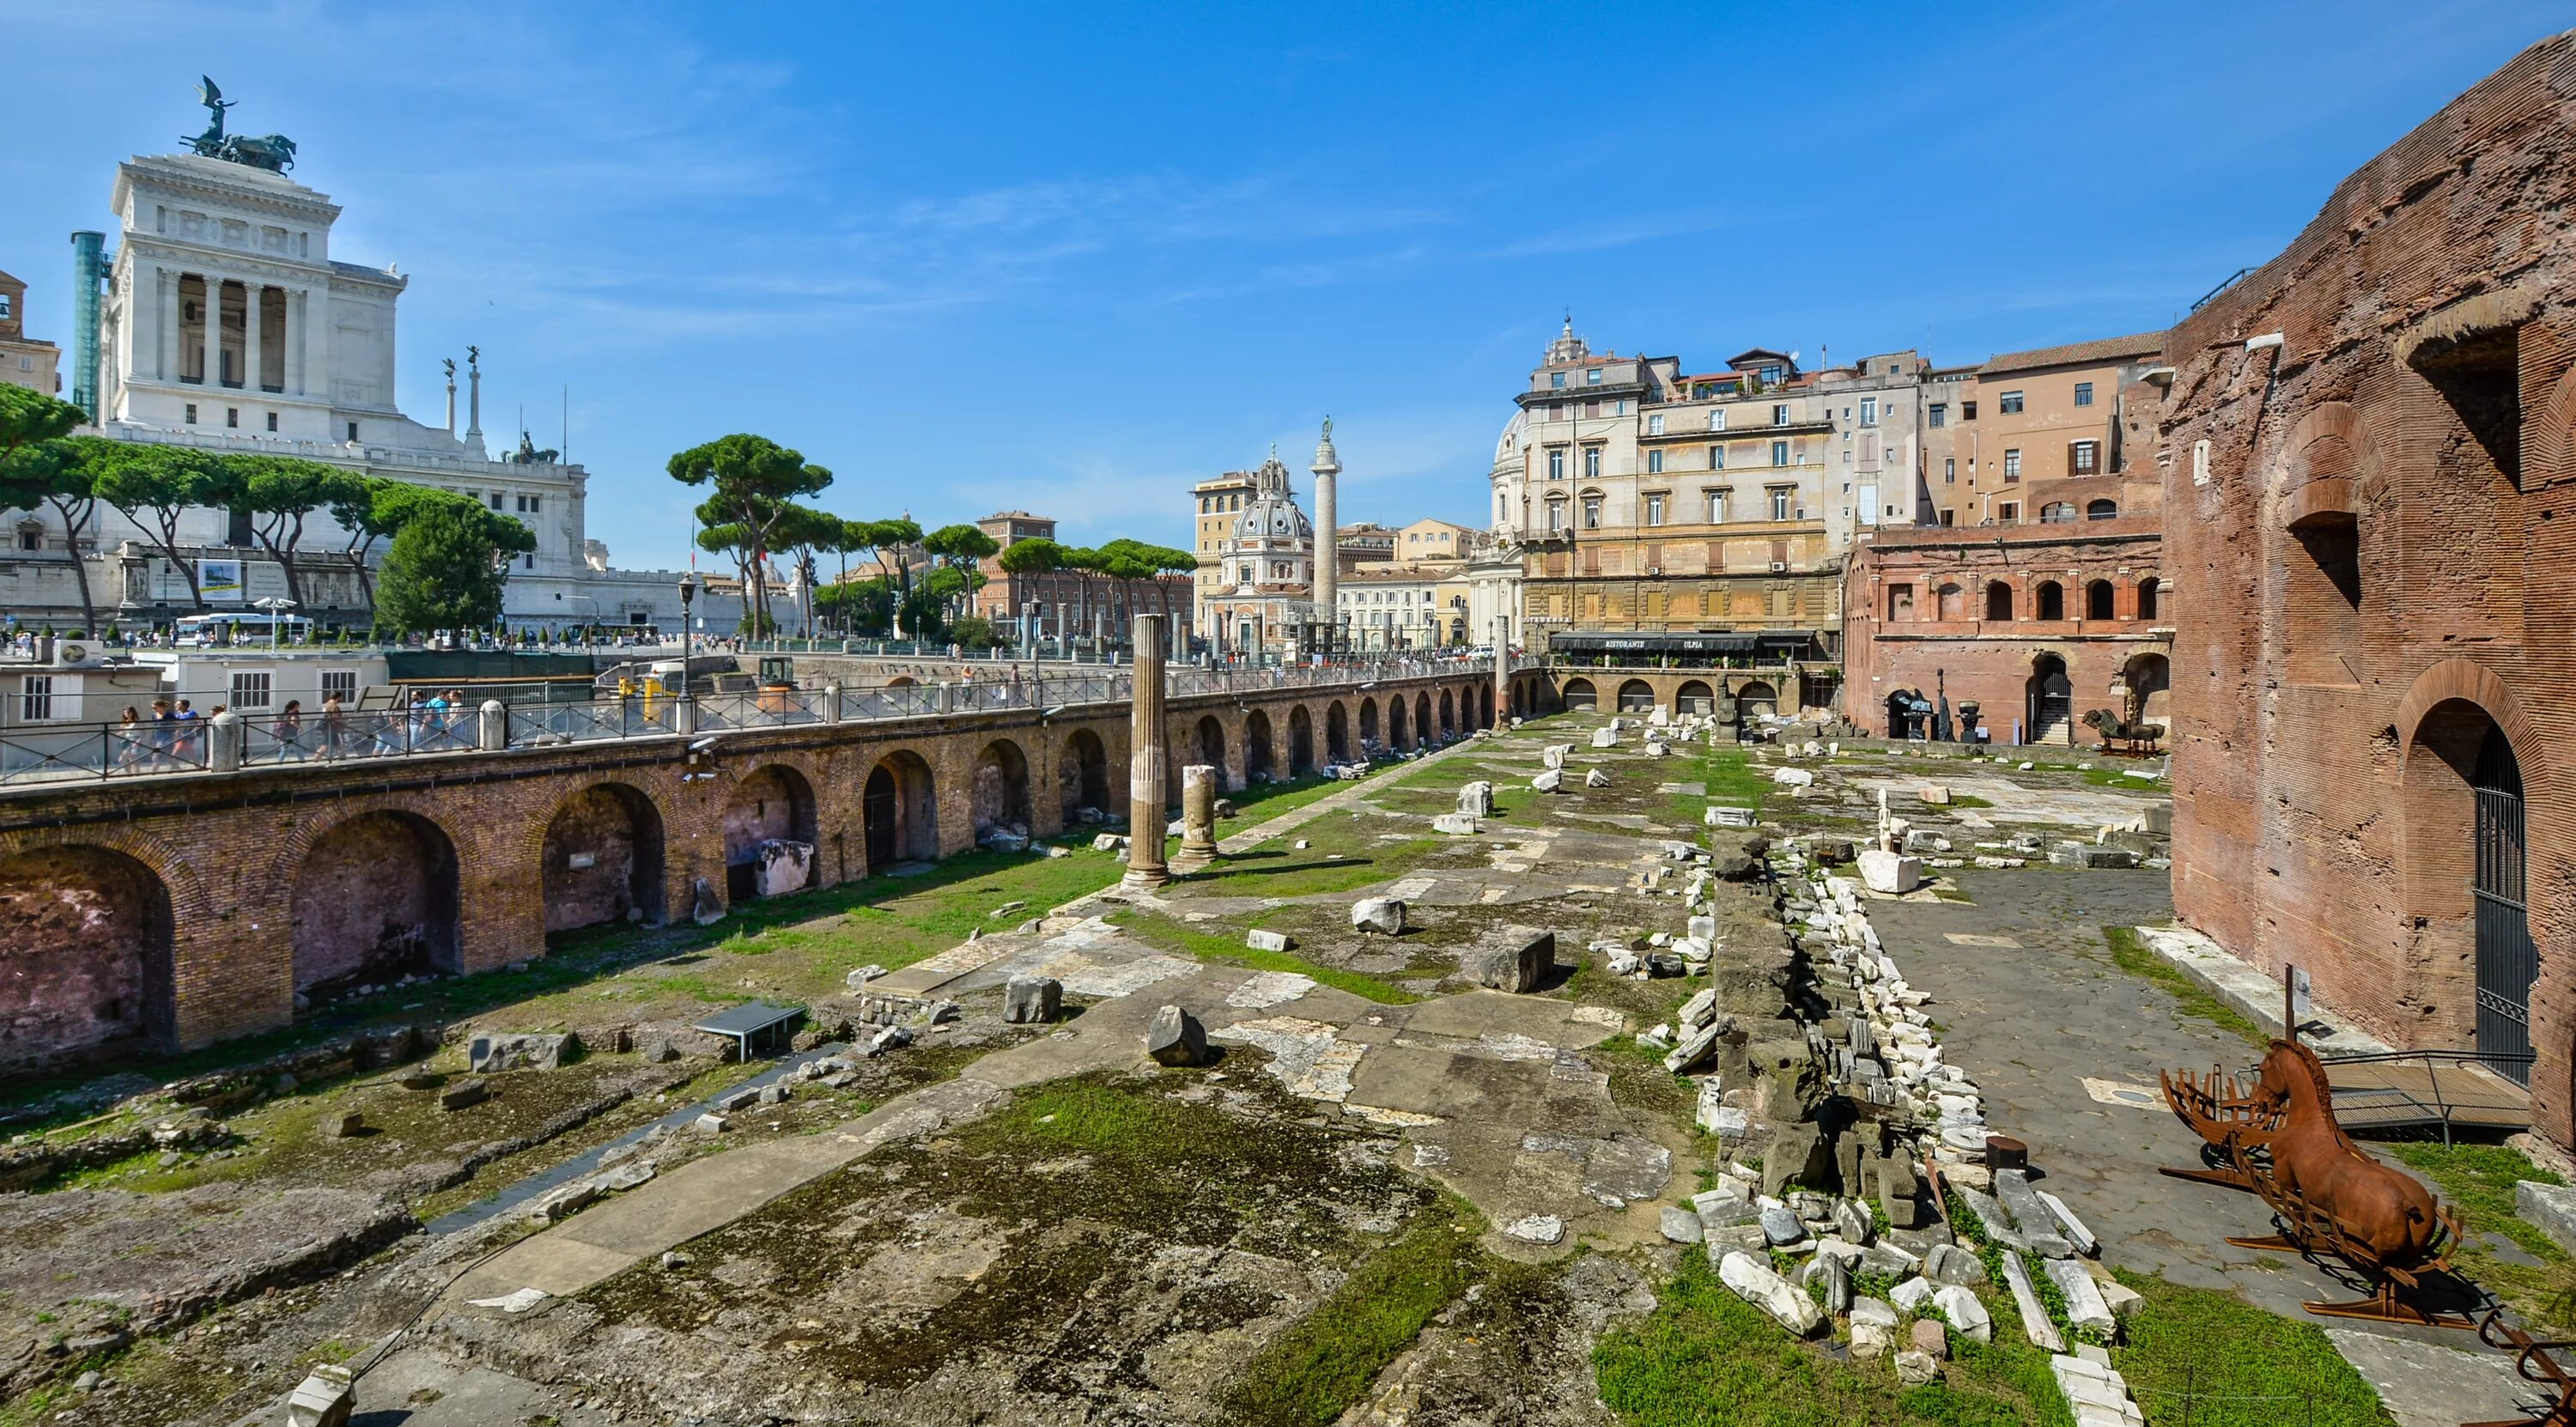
2278	1139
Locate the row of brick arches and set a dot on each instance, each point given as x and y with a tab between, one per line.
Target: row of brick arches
122	941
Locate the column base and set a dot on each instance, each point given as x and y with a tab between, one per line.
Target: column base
1143	880
1193	859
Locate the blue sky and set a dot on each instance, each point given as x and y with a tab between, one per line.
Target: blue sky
1071	258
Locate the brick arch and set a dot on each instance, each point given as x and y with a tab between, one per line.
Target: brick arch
2552	436
190	903
530	843
2468	681
2326	466
568	899
300	839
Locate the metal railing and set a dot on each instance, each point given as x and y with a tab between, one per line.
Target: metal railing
94	752
2428	1089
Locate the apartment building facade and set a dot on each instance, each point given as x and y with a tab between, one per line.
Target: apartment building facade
1648	499
2027	437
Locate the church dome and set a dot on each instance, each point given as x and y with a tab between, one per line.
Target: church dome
1508	444
1268	519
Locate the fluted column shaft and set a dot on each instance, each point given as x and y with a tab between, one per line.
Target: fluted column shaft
1146	867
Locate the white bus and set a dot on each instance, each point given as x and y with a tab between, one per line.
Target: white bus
208	631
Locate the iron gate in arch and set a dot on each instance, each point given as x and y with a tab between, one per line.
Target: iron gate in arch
2507	961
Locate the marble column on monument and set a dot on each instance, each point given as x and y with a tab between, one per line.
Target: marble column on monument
1146	869
250	336
214	345
1198	818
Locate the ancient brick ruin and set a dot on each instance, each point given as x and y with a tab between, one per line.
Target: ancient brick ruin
2369	449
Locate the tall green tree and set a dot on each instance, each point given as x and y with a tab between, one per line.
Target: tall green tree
447	567
38	467
279	493
753	482
802	532
892	542
1026	559
962	548
156	487
372	508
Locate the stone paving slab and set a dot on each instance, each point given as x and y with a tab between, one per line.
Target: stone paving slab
2429	1385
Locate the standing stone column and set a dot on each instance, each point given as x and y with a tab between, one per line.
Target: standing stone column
214	341
251	336
1198	817
1328	545
1146	869
1502	678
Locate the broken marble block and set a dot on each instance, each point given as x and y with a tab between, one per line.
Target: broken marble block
1260	940
1176	1038
2086	1309
1890	873
1030	1000
1457	825
1476	799
1965	1312
1383	915
1788	1305
1517	960
1605	738
1595	778
1551	781
323	1399
1683	1226
525	1051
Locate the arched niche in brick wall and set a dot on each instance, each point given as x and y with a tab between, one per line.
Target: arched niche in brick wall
1001	789
2327	461
600	858
1082	775
85	953
1257	753
2551	460
375	898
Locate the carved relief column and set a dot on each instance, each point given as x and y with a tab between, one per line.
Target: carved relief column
1146	869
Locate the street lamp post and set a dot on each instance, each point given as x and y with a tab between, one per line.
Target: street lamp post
688	639
276	605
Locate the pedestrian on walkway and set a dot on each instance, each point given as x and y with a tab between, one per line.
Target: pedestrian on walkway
130	735
190	730
335	726
290	731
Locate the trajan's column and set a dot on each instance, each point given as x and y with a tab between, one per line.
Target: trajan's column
1146	869
1328	540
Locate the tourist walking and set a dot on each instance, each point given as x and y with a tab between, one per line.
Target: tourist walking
335	726
289	730
131	747
191	729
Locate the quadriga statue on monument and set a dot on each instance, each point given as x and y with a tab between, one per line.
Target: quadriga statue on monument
273	152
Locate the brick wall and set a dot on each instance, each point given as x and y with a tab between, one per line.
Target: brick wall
1927	610
2370	517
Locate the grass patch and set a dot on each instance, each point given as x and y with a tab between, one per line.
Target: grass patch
1705	1356
1165	934
1309	1374
2118	777
2133	956
2477	1181
2214	1360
